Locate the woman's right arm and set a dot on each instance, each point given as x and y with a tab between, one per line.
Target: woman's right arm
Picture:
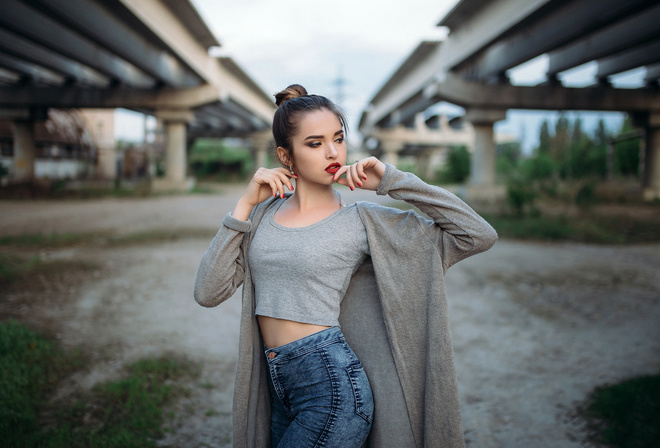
222	268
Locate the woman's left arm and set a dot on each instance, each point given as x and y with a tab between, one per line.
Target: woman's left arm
458	230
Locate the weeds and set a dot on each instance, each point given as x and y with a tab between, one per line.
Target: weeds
624	415
595	229
29	365
12	266
126	413
58	240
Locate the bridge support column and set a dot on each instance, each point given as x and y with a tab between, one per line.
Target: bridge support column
261	143
482	170
429	161
176	165
391	152
651	175
24	151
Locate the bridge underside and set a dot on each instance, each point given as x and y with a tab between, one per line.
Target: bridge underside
149	56
490	38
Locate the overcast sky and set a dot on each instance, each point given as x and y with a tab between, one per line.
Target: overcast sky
316	43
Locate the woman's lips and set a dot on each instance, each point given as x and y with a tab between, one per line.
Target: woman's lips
332	168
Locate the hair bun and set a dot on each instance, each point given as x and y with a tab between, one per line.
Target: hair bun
293	91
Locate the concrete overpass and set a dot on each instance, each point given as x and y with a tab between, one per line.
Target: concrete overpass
490	37
150	56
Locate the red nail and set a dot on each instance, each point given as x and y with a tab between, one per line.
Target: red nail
351	188
359	184
364	177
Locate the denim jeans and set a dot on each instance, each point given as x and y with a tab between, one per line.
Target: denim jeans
320	394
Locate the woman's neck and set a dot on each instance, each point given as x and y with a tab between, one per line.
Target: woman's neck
309	196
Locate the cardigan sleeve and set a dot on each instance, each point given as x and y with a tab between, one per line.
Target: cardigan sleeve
222	268
456	229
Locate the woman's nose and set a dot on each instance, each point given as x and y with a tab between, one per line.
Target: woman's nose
332	152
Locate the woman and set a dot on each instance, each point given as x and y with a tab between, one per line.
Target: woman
317	273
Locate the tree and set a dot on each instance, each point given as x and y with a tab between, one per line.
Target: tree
626	151
545	140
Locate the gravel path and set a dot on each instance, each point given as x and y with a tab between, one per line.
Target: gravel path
535	326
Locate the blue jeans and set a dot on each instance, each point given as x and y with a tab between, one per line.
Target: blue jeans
320	394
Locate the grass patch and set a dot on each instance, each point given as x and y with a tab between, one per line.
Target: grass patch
126	413
587	229
12	266
59	240
52	240
624	415
72	189
29	366
27	272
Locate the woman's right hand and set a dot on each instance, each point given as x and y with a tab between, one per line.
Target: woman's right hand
264	184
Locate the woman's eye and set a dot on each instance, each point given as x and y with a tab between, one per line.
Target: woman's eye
315	144
340	140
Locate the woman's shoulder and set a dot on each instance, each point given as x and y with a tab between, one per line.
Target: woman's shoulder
375	208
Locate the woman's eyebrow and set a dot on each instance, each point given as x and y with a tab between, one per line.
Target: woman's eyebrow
318	137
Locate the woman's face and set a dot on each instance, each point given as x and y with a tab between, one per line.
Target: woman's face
319	148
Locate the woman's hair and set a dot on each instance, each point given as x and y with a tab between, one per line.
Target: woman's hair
294	102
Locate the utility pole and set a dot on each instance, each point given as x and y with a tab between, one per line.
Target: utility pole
339	84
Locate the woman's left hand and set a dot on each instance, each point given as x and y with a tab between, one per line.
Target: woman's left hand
366	174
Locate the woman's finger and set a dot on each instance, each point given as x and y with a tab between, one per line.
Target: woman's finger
340	172
355	172
285	178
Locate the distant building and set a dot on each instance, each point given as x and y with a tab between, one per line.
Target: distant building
70	144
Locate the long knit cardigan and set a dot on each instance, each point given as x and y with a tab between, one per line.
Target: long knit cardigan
394	314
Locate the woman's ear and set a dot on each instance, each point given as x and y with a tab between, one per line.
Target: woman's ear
283	154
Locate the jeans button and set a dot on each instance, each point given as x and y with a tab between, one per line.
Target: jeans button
271	355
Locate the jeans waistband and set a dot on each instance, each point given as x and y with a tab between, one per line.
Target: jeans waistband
305	344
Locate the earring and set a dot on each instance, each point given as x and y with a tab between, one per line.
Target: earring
291	170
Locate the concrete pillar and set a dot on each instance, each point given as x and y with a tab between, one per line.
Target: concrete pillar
175	151
390	152
483	157
429	161
262	142
25	152
175	179
482	169
651	175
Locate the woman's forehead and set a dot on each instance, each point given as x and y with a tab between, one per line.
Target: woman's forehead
319	121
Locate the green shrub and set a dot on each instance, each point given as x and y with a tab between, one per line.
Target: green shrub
586	196
457	168
520	195
539	167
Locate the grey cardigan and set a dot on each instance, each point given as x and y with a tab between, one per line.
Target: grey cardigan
394	314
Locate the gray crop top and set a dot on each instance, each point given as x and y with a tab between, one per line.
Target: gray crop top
301	274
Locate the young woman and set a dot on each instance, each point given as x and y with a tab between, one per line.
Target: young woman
323	281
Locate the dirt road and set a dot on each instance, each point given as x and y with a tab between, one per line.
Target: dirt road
535	326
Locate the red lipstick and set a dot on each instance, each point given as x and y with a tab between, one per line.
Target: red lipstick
332	168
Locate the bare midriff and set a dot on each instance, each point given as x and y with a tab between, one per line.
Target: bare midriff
277	332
